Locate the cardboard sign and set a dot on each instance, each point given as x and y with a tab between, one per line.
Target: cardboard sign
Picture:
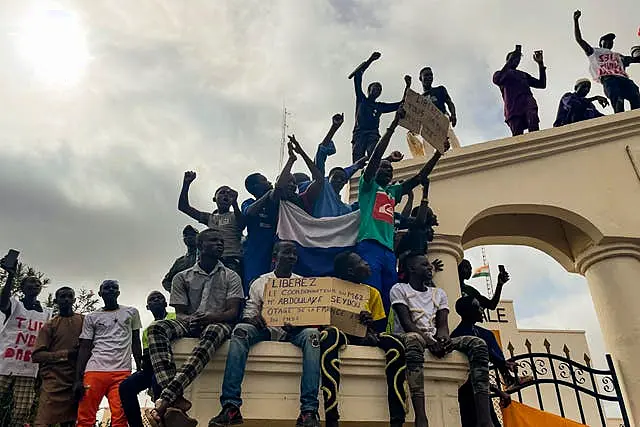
425	119
311	301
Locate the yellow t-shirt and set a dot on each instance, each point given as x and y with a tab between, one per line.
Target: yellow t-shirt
374	305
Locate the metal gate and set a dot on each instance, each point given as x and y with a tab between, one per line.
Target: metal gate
585	381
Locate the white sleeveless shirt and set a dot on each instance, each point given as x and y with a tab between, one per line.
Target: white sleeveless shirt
18	339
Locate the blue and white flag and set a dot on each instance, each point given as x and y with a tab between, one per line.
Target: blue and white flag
319	240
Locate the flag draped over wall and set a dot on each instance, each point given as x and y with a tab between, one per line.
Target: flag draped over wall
520	415
318	240
482	271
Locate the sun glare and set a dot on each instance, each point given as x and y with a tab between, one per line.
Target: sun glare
53	42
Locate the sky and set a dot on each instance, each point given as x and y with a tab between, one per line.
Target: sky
106	104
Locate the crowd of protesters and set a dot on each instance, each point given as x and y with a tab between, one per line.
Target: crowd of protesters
216	288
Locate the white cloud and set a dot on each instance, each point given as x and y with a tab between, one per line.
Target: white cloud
90	172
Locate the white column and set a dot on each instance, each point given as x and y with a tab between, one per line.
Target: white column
613	274
448	249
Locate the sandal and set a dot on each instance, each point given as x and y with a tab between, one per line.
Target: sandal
176	418
148	414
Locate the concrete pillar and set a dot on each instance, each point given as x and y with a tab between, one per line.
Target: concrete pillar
612	271
448	249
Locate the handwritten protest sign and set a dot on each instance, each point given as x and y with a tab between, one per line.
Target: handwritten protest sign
311	301
425	119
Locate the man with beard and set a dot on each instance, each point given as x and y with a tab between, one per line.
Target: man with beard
56	352
229	223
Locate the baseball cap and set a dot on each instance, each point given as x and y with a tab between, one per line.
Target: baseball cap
608	36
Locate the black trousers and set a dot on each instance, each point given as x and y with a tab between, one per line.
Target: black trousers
332	341
468	407
130	388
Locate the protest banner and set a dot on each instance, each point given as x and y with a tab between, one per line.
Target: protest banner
425	119
315	301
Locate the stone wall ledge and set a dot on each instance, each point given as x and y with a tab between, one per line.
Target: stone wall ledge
272	382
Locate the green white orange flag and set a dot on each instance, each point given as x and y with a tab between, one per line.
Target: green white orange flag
482	271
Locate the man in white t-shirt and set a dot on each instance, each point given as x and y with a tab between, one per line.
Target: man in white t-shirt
608	67
253	329
109	336
18	332
420	317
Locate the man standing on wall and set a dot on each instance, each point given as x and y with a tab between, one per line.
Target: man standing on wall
368	112
608	68
520	107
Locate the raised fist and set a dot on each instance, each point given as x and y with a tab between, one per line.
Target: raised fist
375	56
407	80
338	119
189	177
577	14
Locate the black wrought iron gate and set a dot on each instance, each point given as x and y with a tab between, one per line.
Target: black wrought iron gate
564	372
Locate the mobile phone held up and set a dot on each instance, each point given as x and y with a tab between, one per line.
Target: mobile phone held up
10	261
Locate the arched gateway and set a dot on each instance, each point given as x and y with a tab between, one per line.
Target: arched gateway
572	192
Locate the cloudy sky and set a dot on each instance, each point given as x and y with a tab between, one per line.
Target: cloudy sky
106	104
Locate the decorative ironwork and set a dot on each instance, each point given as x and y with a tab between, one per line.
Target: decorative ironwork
564	372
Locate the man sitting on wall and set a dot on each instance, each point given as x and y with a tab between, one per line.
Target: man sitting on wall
420	316
253	329
350	267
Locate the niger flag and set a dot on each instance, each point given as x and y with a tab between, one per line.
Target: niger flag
519	415
481	272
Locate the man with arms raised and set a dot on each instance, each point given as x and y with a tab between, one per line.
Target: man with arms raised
229	223
368	112
608	67
22	320
377	199
253	329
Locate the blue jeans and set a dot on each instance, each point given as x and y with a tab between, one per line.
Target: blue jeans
382	262
244	336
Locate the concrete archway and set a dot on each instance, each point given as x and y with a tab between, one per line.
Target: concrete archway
572	192
556	231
